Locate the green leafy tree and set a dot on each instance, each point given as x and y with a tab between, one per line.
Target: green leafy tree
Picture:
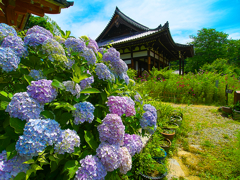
209	45
234	51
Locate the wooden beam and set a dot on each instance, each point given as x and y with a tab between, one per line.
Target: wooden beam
37	10
10	16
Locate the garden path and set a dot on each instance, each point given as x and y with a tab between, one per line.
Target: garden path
208	130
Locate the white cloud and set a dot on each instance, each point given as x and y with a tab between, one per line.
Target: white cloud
234	35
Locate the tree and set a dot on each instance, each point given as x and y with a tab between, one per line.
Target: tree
209	45
234	51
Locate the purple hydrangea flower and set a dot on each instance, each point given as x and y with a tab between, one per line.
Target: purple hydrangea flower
102	50
133	143
69	140
152	109
39	30
72	87
37	135
93	45
89	55
37	74
124	76
69	63
76	45
35	39
24	107
16	44
6	30
112	130
60	39
121	105
86	83
103	72
42	91
10	168
126	164
91	168
119	67
84	112
110	156
8	59
112	56
148	119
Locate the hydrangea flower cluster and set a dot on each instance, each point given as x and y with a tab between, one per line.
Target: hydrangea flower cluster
119	67
126	164
93	45
24	107
138	98
69	140
8	59
103	72
69	63
121	105
37	74
16	44
37	135
89	55
102	50
60	39
86	83
152	109
91	168
151	130
35	39
84	112
112	130
149	118
6	30
77	45
42	91
72	87
133	143
110	156
112	56
10	168
124	76
39	30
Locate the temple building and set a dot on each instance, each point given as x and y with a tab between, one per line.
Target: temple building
141	47
17	12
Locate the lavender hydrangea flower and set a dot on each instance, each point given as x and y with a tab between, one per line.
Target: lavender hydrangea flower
37	74
16	44
112	56
93	45
121	105
126	164
6	30
89	55
86	83
133	143
69	63
148	119
51	47
42	91
39	30
24	107
72	87
8	59
138	98
60	39
110	156
35	39
76	45
69	140
37	135
112	130
10	168
84	112
125	77
91	168
152	109
119	67
102	50
103	72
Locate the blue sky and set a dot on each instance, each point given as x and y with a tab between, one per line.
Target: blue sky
185	17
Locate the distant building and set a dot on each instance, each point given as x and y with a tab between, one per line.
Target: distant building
17	12
141	47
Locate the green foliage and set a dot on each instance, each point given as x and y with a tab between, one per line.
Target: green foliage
132	73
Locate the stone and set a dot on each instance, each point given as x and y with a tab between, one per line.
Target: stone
175	169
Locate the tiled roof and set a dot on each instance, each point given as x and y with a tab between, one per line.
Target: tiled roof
64	3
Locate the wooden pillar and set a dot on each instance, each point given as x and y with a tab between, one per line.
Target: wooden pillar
149	61
132	62
183	66
180	63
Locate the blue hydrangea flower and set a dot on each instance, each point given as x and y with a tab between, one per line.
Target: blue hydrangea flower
76	45
37	135
112	130
86	83
6	30
10	168
72	87
60	39
125	77
119	67
24	107
102	50
8	59
42	90
35	39
112	56
93	45
148	119
84	112
126	163
16	44
110	156
133	143
152	109
39	30
69	63
69	140
37	74
91	168
103	72
89	55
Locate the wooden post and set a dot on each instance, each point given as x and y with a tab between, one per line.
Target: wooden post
132	62
182	66
180	63
149	61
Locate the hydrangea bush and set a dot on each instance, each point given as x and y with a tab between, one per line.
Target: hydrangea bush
68	110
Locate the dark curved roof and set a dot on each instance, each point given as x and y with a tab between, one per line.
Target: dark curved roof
64	3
